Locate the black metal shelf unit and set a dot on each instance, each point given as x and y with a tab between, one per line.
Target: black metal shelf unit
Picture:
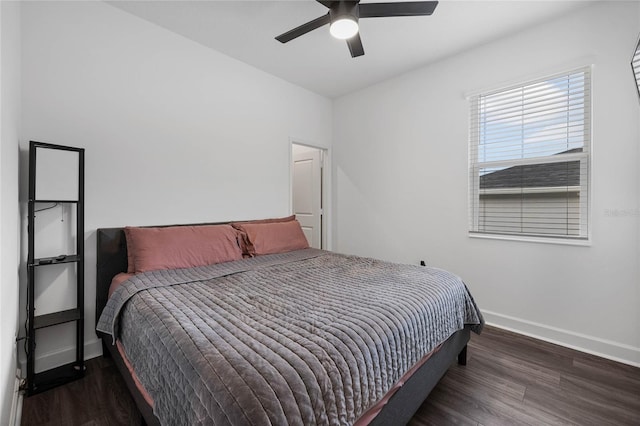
39	382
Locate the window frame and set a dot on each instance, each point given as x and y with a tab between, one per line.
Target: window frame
474	166
635	70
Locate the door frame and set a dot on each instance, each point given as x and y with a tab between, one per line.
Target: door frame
327	207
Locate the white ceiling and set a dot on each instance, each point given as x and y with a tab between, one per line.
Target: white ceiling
245	30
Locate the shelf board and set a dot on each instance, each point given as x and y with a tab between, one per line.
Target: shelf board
42	261
55	201
57	376
55	318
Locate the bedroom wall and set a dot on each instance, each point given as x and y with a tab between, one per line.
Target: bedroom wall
9	209
174	132
401	173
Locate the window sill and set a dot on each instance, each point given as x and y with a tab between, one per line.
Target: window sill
531	239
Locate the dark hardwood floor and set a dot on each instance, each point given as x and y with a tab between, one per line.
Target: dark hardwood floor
509	379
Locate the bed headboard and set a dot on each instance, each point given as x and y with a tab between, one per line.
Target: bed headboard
111	259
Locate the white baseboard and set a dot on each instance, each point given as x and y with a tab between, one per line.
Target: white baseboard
47	361
619	352
93	349
15	417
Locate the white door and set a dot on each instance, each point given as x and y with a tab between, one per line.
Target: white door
307	191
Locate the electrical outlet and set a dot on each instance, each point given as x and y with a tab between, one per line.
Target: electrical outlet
23	385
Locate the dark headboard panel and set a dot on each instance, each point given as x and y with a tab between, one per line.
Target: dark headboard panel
111	260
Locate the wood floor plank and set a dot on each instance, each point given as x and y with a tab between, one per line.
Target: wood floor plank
490	406
624	377
480	378
488	410
539	354
601	392
509	379
516	369
437	412
568	407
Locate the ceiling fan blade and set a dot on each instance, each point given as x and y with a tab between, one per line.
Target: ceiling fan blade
410	8
355	46
303	29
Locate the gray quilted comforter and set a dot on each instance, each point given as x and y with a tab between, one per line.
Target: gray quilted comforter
307	337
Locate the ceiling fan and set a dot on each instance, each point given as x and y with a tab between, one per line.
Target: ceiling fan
343	18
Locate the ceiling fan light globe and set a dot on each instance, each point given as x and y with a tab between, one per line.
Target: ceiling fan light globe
343	28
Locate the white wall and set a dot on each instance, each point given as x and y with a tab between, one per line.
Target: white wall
174	132
9	209
401	174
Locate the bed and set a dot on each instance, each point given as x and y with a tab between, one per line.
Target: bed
299	337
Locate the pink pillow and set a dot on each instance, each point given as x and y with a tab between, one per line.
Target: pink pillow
181	246
243	239
273	237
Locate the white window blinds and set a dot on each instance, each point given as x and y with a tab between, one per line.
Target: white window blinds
529	158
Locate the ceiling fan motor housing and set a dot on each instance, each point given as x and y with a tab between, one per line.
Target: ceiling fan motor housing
344	10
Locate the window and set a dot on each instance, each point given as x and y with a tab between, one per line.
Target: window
529	158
